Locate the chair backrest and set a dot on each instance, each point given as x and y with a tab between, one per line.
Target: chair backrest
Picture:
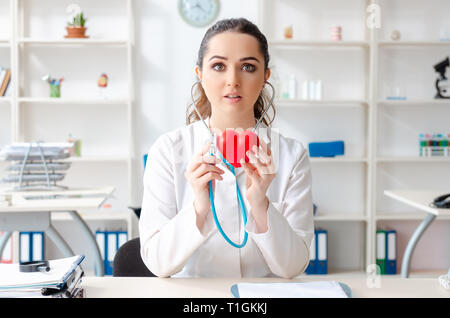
128	262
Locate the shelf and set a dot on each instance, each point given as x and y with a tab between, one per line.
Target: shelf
93	216
336	273
103	158
69	42
71	101
5	43
300	103
407	216
425	102
5	100
339	159
295	44
413	43
341	217
413	159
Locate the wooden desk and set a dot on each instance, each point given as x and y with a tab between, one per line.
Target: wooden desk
152	287
30	211
420	200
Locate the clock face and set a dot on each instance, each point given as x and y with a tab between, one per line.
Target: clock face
198	13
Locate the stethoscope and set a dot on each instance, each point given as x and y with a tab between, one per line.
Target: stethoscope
212	150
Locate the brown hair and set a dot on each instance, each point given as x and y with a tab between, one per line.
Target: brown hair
240	25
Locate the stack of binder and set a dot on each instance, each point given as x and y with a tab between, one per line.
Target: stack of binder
318	261
108	243
387	252
31	246
62	281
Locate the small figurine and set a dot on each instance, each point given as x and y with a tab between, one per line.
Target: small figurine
288	32
102	83
395	35
55	85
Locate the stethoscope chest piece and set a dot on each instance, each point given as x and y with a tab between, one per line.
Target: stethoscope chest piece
35	266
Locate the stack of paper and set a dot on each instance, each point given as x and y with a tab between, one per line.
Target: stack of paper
320	289
62	280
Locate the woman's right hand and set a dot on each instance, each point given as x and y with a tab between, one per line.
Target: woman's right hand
200	171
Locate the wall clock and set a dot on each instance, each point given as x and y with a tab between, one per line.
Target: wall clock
198	13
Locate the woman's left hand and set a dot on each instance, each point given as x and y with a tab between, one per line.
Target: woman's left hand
260	173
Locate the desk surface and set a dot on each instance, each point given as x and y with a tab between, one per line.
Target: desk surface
419	199
56	200
152	287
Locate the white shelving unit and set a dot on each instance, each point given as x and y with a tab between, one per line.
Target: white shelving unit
310	21
35	45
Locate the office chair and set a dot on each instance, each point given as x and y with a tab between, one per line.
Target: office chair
128	261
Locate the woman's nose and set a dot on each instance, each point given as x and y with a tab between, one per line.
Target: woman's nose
233	80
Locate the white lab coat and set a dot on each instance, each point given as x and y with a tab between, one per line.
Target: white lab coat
172	245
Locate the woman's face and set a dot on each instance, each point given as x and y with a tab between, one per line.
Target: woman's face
233	73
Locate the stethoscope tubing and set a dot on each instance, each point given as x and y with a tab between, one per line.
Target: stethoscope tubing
239	195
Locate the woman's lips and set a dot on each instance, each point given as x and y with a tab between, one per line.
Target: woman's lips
233	99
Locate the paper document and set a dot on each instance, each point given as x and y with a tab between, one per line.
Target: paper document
11	277
320	289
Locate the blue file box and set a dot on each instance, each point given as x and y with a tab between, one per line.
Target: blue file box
326	149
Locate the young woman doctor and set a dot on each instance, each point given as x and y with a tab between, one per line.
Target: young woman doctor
178	234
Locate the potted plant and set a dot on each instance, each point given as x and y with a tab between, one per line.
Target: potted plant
76	23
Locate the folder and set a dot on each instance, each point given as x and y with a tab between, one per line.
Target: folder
122	238
391	252
322	252
7	255
25	247
100	237
37	247
381	251
111	248
311	269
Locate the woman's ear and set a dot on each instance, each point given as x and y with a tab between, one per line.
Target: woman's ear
267	74
198	72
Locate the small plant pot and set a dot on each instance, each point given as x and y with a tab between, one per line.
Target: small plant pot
76	32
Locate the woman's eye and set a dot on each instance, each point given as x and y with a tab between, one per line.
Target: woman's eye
218	67
248	67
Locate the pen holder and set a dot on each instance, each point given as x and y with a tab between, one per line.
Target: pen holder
55	90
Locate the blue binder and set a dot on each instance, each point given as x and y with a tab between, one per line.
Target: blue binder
322	252
311	269
31	246
109	242
391	252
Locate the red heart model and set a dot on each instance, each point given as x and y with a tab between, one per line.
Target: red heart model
234	146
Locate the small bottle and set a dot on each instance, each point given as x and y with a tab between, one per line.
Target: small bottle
305	90
312	90
72	149
318	90
292	87
422	144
